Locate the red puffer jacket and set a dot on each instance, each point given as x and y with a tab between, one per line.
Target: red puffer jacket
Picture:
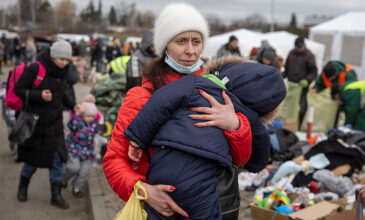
120	171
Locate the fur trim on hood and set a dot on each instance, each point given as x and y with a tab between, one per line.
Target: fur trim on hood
213	64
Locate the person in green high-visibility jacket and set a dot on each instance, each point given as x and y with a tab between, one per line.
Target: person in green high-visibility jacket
352	97
119	64
334	73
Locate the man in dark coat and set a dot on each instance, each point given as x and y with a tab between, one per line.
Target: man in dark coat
144	54
300	67
6	44
113	51
17	51
46	147
4	47
96	55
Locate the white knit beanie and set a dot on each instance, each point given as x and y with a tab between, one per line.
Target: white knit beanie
175	19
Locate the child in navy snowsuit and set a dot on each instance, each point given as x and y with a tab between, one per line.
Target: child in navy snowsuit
186	156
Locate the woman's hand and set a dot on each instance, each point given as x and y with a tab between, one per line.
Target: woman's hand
79	109
222	116
46	95
160	201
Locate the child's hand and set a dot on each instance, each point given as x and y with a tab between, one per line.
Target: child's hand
134	153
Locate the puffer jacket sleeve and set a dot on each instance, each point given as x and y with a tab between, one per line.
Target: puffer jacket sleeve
260	148
240	141
116	164
76	124
159	109
260	141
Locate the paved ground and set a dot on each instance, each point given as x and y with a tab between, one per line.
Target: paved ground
103	202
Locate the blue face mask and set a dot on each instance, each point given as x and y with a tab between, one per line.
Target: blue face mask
183	69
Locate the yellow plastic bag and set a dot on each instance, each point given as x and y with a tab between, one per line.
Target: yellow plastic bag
134	209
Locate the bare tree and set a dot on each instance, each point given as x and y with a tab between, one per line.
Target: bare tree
3	17
127	13
253	22
112	16
24	6
90	14
45	13
216	25
146	19
11	14
28	9
64	14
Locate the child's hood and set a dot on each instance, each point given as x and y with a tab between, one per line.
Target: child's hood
258	86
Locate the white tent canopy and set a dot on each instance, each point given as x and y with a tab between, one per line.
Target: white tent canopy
344	38
74	37
8	34
246	40
133	40
281	41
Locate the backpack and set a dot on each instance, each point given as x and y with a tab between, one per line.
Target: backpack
11	99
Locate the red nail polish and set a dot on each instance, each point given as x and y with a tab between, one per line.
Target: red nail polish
187	217
172	188
224	91
196	125
191	109
201	91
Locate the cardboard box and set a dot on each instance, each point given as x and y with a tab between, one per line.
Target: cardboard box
320	210
344	215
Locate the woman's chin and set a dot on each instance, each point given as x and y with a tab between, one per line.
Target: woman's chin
187	63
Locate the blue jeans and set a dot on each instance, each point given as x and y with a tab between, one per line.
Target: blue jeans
55	172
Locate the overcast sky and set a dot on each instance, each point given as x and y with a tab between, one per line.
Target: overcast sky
238	9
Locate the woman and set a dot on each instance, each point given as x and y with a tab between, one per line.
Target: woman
179	37
46	147
189	160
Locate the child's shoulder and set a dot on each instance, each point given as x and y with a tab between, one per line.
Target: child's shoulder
94	124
